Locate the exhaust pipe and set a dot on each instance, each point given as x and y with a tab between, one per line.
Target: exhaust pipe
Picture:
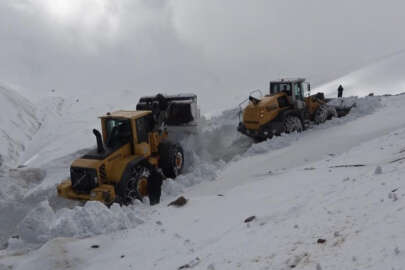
100	147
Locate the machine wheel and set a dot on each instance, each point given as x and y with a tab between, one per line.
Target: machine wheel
134	184
321	114
171	159
292	123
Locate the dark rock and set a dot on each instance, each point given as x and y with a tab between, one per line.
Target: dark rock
95	246
191	264
250	219
321	241
184	267
180	201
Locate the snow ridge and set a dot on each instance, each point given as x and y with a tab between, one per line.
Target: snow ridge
18	124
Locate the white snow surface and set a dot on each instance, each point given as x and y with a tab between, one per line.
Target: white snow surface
289	184
384	76
18	124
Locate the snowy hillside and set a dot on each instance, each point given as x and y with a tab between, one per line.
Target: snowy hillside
383	77
310	212
227	179
18	124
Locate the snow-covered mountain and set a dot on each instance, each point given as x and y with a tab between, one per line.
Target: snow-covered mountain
18	124
384	76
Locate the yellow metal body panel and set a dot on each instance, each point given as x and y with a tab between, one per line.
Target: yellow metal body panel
312	104
256	115
87	163
102	193
143	149
118	168
134	133
115	164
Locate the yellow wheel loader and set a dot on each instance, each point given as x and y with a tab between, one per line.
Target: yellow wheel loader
285	109
133	154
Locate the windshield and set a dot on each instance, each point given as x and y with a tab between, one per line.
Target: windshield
118	131
280	87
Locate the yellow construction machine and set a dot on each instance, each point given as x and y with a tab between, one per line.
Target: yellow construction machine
133	154
285	109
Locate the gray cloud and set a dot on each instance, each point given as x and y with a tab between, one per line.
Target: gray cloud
218	47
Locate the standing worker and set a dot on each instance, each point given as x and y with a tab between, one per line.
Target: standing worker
340	91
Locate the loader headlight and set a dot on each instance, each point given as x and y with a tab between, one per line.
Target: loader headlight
261	115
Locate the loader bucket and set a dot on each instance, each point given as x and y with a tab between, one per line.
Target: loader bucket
342	108
342	111
180	109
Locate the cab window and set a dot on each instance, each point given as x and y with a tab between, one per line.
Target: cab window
144	125
298	91
280	87
118	132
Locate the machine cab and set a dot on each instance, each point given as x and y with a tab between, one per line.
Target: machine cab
130	128
294	88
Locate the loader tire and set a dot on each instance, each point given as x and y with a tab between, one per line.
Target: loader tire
321	115
292	123
171	159
134	184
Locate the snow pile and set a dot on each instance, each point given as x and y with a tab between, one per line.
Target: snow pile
43	223
18	124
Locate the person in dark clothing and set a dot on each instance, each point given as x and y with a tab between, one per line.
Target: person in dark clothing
340	91
155	186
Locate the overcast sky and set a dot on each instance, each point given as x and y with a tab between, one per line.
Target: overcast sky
222	47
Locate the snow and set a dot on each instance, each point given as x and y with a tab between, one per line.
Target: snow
18	124
382	77
296	199
352	209
299	189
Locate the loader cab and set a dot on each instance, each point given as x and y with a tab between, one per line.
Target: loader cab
293	88
130	128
